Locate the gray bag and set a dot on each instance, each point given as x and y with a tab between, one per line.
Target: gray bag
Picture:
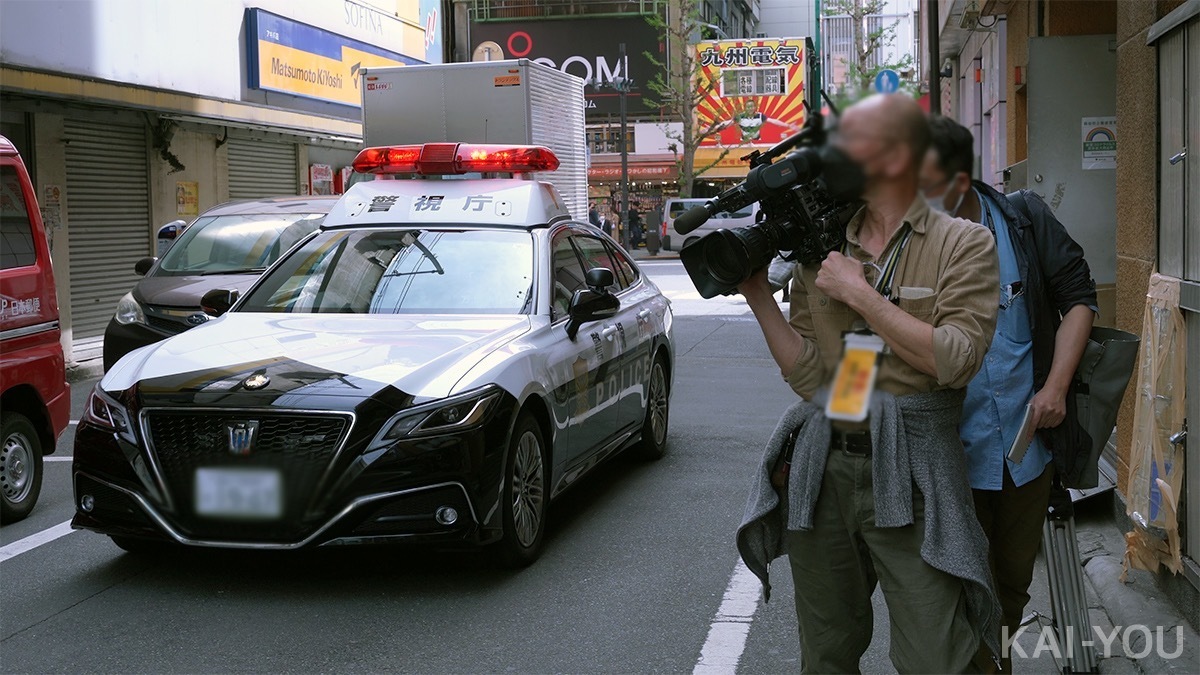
1100	381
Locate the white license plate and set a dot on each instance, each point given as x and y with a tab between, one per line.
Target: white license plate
239	493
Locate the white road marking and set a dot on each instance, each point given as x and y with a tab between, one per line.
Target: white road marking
35	540
731	626
58	458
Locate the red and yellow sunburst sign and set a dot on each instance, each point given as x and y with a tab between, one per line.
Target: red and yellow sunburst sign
753	94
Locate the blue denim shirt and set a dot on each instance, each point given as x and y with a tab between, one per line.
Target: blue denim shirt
996	398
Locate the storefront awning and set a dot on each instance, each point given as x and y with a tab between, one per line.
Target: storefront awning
721	162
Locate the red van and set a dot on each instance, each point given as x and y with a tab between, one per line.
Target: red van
35	399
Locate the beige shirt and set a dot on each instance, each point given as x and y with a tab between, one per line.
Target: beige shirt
947	277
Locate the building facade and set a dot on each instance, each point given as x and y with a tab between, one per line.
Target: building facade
1093	104
135	113
585	38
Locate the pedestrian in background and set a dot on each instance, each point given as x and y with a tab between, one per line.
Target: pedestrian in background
607	224
1047	306
594	216
883	500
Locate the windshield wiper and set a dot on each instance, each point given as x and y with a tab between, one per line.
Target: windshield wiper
248	270
438	269
429	254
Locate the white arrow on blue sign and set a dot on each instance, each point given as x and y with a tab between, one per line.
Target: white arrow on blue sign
887	81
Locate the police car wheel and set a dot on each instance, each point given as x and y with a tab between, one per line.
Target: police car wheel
525	495
20	466
658	414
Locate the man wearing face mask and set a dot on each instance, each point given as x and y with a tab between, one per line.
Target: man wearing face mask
877	494
1047	305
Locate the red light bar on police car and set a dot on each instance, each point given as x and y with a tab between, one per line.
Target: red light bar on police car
435	159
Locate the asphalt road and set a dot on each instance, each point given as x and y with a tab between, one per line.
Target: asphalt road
637	563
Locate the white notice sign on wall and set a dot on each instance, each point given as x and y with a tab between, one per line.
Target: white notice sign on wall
1099	138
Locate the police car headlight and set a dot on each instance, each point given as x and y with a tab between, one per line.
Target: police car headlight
103	411
454	414
129	311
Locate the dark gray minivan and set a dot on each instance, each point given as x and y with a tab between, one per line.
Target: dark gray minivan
227	247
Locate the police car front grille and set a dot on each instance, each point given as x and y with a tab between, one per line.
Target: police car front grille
299	446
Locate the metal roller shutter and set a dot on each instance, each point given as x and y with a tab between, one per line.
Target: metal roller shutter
260	169
108	207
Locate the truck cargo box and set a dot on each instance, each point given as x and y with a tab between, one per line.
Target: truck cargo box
516	101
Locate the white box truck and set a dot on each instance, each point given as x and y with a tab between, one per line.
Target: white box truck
516	101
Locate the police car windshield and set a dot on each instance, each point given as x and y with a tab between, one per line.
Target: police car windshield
236	244
402	272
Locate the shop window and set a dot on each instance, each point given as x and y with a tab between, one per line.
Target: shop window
607	139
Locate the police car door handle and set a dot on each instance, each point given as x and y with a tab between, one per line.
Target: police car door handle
645	314
609	333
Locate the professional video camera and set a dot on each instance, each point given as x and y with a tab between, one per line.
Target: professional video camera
806	199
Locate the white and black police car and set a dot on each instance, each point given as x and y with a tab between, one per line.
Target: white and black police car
439	360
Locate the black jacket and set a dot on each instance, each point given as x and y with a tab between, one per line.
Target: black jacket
1055	277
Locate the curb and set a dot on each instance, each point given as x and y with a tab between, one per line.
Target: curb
663	255
78	371
1139	603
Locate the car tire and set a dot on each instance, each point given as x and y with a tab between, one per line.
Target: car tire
525	494
20	466
653	445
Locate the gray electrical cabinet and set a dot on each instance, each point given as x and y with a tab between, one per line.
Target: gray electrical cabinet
516	101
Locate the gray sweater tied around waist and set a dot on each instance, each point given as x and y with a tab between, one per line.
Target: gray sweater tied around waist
914	441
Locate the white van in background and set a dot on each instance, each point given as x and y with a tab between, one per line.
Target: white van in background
674	207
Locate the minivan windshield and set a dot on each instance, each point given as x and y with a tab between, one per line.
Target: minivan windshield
402	271
236	244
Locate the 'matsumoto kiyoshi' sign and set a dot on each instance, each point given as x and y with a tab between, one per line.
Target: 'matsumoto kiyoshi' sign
295	58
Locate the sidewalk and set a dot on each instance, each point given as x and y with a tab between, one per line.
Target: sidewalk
1121	614
641	254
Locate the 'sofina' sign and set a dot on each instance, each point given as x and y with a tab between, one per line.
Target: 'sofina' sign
295	58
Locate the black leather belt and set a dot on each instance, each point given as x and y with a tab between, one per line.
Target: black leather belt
852	442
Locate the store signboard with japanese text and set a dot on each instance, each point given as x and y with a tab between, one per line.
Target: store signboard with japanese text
588	48
752	96
294	58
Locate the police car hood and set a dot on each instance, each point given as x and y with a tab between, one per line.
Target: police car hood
340	355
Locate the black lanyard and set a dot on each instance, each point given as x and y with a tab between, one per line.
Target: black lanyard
891	261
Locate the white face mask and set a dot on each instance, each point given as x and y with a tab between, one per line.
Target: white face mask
937	204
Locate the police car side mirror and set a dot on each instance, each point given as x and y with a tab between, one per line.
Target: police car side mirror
589	305
599	278
218	301
143	265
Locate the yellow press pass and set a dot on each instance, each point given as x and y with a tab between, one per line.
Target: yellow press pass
850	399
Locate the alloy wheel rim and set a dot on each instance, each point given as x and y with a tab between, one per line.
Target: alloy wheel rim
527	489
16	459
658	404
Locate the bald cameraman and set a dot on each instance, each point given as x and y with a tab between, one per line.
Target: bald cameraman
884	500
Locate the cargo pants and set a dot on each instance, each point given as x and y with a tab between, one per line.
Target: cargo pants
837	564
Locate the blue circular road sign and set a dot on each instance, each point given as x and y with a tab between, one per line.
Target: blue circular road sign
887	81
